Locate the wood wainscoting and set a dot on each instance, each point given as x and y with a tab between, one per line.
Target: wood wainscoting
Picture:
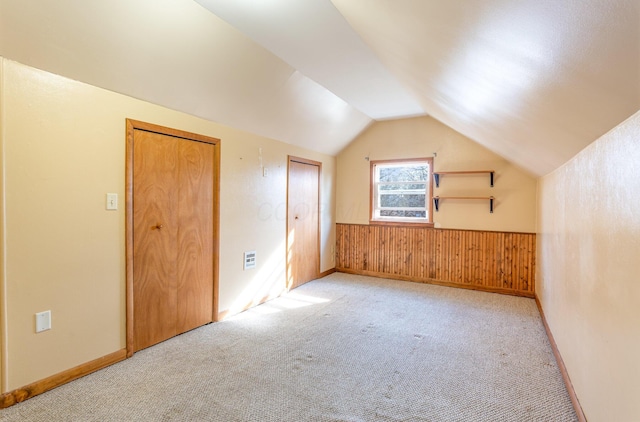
501	262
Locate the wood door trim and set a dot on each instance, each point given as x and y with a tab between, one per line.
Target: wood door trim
305	161
162	130
131	126
290	159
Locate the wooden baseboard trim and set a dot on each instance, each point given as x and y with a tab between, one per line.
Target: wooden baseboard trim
227	313
326	273
561	366
222	315
438	282
39	387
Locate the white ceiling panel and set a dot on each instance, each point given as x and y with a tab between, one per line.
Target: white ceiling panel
177	54
313	37
533	80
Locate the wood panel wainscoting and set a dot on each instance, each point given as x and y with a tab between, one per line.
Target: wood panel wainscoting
501	262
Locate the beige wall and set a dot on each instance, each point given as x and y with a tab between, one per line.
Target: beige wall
589	271
515	190
63	146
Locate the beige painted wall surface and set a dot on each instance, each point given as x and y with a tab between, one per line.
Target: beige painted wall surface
3	308
589	271
64	149
515	190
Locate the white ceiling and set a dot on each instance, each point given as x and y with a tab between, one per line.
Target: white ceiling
313	37
533	80
177	54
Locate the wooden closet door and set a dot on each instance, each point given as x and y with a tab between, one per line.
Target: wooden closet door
155	234
172	236
303	243
195	245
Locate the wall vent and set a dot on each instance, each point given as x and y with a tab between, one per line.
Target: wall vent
249	260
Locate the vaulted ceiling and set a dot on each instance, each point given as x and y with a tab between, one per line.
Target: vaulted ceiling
533	80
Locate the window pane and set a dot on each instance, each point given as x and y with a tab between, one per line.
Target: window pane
403	201
404	173
401	191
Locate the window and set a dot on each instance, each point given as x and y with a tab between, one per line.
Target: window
401	191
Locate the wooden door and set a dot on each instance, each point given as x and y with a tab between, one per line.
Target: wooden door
155	230
303	224
173	230
195	246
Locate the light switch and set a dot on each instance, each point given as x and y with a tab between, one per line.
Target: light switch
43	321
112	201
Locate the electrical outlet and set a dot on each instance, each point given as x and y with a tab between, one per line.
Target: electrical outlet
43	321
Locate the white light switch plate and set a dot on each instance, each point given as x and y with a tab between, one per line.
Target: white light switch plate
43	321
112	201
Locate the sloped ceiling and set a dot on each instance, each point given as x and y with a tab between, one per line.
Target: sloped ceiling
177	54
533	80
313	37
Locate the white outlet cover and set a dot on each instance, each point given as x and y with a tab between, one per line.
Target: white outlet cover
43	321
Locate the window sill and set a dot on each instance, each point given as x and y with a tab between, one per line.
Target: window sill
400	223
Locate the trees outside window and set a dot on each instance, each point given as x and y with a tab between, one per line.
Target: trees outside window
401	191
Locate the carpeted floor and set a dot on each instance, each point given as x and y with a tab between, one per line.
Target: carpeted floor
343	348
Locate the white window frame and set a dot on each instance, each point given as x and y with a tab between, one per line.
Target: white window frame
375	209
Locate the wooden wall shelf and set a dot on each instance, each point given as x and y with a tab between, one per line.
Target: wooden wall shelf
437	174
436	200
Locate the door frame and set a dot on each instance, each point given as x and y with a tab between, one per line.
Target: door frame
290	159
131	126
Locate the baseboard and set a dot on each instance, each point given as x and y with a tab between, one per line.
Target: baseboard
326	273
39	387
438	282
561	366
222	315
227	313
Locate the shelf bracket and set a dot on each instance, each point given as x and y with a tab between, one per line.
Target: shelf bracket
492	180
436	178
436	202
491	200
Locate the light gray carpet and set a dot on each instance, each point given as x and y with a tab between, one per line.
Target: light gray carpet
343	348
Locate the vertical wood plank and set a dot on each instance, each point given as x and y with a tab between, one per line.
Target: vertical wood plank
440	258
374	245
434	254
